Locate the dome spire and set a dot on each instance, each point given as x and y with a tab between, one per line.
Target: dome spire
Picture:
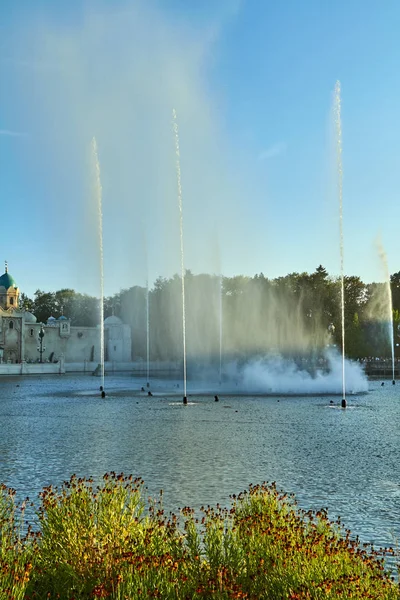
6	266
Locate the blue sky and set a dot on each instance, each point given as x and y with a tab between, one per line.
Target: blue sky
252	82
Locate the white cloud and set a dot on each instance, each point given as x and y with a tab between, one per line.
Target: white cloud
10	133
272	151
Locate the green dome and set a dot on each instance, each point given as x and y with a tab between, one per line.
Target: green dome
7	281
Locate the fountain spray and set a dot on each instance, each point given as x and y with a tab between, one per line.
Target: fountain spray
220	329
388	303
339	166
146	261
98	191
179	185
147	333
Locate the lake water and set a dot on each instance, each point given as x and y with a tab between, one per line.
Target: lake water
346	460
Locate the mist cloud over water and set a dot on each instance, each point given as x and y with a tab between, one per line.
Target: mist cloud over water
281	375
286	377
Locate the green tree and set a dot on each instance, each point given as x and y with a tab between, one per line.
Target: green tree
26	303
44	305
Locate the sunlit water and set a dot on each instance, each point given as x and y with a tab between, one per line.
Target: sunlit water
346	460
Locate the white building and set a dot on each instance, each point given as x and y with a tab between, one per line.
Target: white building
22	338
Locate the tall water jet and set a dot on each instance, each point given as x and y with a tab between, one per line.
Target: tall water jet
147	333
146	263
339	166
98	192
179	185
388	302
220	328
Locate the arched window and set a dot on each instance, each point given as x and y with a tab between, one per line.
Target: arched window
11	325
31	332
11	300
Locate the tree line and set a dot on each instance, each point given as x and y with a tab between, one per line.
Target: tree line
241	315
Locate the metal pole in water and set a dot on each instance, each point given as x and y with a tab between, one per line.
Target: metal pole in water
179	184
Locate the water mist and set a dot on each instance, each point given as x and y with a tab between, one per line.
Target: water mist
147	333
220	328
388	303
339	166
179	185
98	192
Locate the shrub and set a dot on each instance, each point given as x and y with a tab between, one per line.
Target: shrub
105	541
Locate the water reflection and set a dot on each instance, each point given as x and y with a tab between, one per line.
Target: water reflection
346	460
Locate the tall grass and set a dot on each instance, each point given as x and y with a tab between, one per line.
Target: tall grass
106	541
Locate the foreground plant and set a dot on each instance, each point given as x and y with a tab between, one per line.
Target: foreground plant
95	539
106	542
289	553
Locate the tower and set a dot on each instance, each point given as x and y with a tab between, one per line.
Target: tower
9	291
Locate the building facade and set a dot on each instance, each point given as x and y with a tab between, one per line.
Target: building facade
22	338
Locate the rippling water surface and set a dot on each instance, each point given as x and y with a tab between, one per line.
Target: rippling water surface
346	460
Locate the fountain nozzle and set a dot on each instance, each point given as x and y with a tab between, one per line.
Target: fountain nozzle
103	394
394	382
344	403
185	400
